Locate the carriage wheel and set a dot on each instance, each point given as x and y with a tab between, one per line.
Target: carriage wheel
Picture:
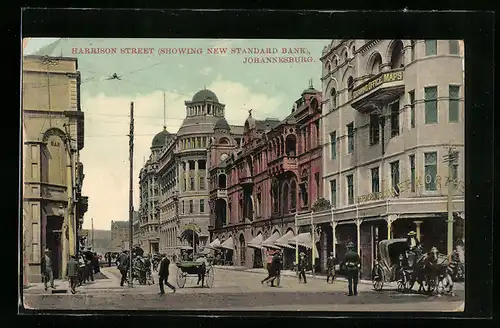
428	285
401	281
409	284
209	277
378	279
181	279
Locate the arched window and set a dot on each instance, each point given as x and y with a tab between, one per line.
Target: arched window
397	55
350	86
336	62
377	61
346	55
333	98
293	195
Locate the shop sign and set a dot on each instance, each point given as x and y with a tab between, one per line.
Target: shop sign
381	79
406	185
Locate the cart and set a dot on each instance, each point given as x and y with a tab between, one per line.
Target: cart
389	266
191	269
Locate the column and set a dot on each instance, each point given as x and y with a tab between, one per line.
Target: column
186	175
196	177
358	235
390	219
417	224
334	237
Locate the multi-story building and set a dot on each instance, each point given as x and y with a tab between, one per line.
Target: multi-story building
136	228
53	175
119	235
391	111
256	190
174	191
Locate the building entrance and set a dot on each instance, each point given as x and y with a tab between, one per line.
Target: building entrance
53	235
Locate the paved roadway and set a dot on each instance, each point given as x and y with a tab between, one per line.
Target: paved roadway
236	290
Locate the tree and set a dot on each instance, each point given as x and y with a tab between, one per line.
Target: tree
321	204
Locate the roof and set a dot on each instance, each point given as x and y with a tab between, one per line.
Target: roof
203	95
222	124
159	139
197	125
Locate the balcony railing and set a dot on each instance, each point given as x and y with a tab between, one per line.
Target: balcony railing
246	180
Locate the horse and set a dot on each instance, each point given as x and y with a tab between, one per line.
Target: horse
439	269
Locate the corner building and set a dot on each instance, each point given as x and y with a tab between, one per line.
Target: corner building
391	110
181	174
256	190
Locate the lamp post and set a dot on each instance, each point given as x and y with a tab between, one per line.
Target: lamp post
296	244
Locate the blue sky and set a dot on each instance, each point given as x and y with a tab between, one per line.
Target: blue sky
268	89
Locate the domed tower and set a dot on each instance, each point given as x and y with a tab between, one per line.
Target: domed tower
159	141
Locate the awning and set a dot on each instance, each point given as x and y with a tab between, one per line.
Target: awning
228	244
215	243
269	242
304	240
256	242
186	248
283	240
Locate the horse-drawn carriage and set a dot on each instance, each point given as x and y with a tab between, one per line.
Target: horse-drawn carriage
397	263
194	268
141	267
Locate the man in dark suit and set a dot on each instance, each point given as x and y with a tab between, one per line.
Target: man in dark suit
163	273
352	263
72	273
47	270
123	266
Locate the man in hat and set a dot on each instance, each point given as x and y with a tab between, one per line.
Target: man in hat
302	265
124	266
413	243
72	272
89	270
352	263
47	271
163	274
330	267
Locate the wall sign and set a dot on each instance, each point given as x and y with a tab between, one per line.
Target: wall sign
386	77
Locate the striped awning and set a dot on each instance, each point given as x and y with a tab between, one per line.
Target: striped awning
228	244
283	240
304	240
214	244
256	242
269	242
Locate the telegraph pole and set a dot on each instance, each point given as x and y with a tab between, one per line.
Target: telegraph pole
450	158
131	191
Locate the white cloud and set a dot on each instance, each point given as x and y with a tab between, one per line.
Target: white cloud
206	71
105	156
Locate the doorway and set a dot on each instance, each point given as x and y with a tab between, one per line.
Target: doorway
53	233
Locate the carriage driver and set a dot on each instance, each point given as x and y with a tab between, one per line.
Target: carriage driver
413	242
204	263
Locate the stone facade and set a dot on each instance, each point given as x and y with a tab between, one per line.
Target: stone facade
53	175
391	109
119	235
175	178
257	189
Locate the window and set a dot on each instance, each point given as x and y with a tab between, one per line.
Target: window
413	50
316	179
191	184
184	187
454	49
350	86
411	96
395	119
430	160
350	189
375	180
333	193
202	183
202	206
454	173
374	129
431	105
191	206
395	176
333	144
333	98
430	47
454	102
350	138
412	172
182	207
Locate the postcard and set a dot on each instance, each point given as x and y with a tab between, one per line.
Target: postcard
241	174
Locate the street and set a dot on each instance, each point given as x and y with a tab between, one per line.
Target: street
236	290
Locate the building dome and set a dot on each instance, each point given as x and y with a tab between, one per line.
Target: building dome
203	95
159	139
222	125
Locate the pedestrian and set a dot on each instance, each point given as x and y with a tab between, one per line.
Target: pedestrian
47	270
82	270
89	256
203	269
330	267
352	263
95	263
163	275
124	266
109	259
276	269
72	273
302	265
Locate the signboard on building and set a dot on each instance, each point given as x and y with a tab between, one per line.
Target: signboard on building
386	77
193	227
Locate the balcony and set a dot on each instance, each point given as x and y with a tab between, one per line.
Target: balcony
380	89
221	193
246	181
283	164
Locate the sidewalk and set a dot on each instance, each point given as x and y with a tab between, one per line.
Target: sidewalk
290	273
